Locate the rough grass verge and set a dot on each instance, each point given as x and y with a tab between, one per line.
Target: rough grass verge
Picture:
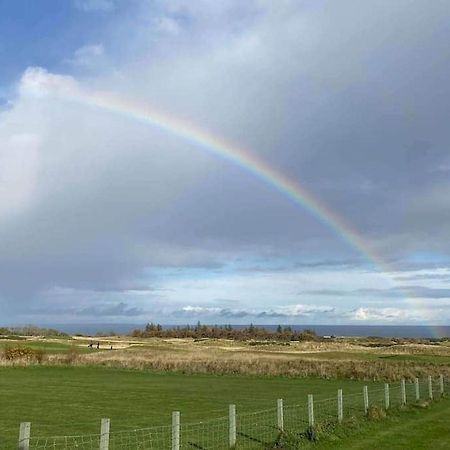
241	365
334	435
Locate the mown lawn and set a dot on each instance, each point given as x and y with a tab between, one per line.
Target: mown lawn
71	400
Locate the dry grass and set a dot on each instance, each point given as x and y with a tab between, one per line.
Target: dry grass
335	359
269	365
256	364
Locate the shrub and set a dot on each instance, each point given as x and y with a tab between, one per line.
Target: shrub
72	355
30	354
376	413
39	355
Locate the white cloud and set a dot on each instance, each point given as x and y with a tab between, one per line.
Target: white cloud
384	314
88	56
303	310
194	310
315	314
38	82
19	166
288	311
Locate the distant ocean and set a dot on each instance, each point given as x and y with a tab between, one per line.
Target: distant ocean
411	331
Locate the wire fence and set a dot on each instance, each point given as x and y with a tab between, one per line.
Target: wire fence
246	431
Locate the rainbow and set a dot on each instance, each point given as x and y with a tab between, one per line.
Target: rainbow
238	156
245	160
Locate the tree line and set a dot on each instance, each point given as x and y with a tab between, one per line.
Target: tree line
31	330
200	331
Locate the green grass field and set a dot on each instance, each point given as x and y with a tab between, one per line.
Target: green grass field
413	429
61	399
50	346
72	400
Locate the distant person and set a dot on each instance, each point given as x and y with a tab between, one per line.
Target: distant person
110	347
98	345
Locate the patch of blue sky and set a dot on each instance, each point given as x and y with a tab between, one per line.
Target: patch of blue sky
43	33
428	258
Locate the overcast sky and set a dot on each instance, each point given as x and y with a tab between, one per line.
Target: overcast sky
107	219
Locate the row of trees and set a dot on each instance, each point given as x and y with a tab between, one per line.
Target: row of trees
31	330
200	331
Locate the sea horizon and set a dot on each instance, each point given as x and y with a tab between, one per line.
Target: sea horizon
345	330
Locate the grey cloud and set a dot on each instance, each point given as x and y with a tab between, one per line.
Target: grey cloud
225	301
320	265
212	312
426	292
99	310
353	109
397	292
120	309
356	88
425	276
289	311
301	314
234	314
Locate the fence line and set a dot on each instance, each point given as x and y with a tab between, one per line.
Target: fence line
249	431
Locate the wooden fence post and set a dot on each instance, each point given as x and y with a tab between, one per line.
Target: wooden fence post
430	388
280	418
340	403
387	401
24	435
366	399
441	384
403	389
310	410
104	434
417	388
176	430
232	425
